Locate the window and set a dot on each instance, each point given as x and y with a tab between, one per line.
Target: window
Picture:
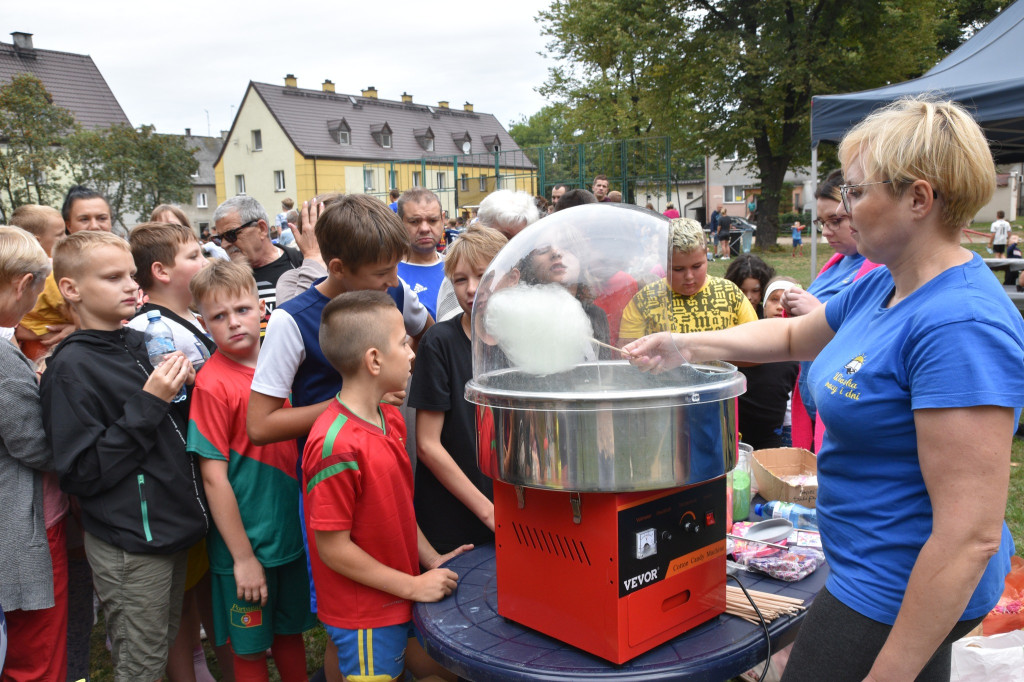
343	137
464	183
257	141
368	179
483	183
689	195
392	179
201	200
440	179
429	144
733	194
239	184
278	181
385	140
417	179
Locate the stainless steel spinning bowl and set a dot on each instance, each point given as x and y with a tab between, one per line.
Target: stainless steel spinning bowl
606	427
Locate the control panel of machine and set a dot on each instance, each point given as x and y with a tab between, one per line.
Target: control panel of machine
670	534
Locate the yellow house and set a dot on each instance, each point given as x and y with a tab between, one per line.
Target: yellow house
287	141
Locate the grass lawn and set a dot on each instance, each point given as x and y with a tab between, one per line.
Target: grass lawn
800	269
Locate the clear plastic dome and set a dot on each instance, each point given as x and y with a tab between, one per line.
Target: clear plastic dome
556	292
559	405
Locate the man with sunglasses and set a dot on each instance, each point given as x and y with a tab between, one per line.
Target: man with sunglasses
242	227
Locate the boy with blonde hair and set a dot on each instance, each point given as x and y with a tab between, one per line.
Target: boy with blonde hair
696	301
121	450
364	545
453	498
260	587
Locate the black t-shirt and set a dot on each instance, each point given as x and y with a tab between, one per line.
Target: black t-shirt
762	409
267	276
444	364
724	224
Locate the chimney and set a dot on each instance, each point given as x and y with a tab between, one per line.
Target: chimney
443	104
188	132
407	98
328	85
22	41
224	134
370	92
467	107
290	81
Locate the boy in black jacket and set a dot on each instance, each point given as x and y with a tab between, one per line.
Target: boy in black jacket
120	448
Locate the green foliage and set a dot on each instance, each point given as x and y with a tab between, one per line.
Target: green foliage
31	128
725	76
136	169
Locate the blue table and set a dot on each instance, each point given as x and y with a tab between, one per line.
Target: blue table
465	634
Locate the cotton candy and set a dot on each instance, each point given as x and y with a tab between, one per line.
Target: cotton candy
542	329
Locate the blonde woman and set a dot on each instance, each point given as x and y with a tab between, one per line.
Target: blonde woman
914	469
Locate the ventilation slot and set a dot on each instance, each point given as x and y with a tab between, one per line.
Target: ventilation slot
551	543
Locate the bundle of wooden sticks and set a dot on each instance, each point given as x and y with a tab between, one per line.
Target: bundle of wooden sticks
771	605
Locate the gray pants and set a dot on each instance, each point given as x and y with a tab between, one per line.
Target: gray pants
142	596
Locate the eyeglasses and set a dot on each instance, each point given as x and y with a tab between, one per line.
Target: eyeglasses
844	190
832	223
231	236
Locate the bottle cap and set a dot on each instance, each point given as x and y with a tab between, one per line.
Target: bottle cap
153	315
758	508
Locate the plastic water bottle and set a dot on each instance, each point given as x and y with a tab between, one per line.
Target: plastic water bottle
160	344
800	516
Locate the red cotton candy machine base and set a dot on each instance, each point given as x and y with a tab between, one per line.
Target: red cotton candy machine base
614	574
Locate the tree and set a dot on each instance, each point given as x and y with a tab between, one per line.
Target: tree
136	169
737	76
31	130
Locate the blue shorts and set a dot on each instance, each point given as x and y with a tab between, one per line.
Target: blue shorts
798	241
373	655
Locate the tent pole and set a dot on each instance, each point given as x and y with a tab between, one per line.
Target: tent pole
814	211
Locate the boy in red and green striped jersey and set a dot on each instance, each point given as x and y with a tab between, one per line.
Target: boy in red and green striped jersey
366	549
260	590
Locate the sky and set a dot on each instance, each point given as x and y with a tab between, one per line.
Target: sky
187	64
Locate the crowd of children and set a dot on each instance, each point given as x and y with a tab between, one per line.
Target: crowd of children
280	492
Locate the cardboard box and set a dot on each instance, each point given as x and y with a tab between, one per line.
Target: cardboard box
769	465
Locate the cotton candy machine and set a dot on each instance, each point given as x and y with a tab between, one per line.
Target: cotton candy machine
609	493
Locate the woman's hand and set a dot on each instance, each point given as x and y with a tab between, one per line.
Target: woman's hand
798	302
656	353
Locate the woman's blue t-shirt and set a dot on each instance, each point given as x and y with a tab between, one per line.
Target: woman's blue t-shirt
946	345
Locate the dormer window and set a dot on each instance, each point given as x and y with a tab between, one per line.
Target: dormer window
463	142
492	143
382	134
425	138
340	131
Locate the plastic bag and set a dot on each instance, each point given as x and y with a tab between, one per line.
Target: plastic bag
982	659
791	564
1008	614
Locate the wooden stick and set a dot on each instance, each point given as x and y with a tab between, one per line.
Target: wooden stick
609	346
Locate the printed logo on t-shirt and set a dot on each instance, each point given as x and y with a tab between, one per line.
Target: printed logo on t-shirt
842	384
419	289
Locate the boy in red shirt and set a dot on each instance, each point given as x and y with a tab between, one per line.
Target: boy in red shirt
365	546
260	590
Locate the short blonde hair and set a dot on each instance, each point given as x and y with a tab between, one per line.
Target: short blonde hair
918	138
21	254
686	235
478	244
222	277
34	218
72	254
351	324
